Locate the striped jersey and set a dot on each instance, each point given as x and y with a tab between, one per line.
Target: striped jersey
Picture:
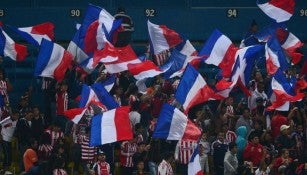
126	152
184	151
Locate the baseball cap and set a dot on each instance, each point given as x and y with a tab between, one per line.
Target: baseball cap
284	127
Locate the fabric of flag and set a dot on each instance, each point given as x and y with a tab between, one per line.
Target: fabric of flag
108	54
177	61
111	126
278	10
194	167
52	61
88	65
87	95
9	48
220	51
191	82
162	38
76	47
284	92
186	47
75	114
125	56
172	124
161	58
275	57
104	96
109	83
146	69
35	34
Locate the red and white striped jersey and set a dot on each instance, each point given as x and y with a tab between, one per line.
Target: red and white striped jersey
101	168
54	135
59	172
44	151
126	152
165	168
61	102
162	57
184	151
87	153
230	136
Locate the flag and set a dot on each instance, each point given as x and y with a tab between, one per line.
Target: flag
186	48
107	55
35	34
109	83
9	48
162	38
275	57
191	82
111	126
177	61
146	69
172	124
52	61
104	96
283	91
220	51
75	114
87	65
278	10
194	167
87	95
161	58
76	47
125	56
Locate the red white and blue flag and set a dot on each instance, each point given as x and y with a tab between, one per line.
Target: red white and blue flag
162	38
145	69
194	167
111	126
278	10
35	34
172	124
52	61
75	114
104	96
125	55
87	96
9	48
219	51
275	57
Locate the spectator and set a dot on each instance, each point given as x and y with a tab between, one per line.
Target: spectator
219	149
165	167
38	123
241	143
59	167
284	139
124	35
282	163
127	150
230	160
245	120
30	159
87	152
101	167
5	87
8	126
254	151
183	153
61	98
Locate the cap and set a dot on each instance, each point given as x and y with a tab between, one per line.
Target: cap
284	127
100	152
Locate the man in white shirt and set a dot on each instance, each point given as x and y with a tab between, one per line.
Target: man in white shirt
8	126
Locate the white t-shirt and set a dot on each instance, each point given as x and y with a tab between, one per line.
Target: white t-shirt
8	129
134	117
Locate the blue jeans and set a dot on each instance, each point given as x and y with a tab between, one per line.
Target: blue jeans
153	168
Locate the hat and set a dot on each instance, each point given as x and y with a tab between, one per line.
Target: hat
284	127
100	152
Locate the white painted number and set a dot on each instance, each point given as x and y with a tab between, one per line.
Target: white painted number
150	12
1	12
75	13
232	13
303	12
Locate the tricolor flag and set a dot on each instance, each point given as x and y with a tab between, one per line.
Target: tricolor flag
75	114
186	48
162	38
283	91
125	56
278	10
35	34
76	47
172	124
190	84
275	57
111	126
104	97
109	83
146	69
9	48
194	167
52	61
177	61
87	95
87	65
107	55
220	51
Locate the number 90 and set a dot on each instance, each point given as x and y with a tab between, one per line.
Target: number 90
75	13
